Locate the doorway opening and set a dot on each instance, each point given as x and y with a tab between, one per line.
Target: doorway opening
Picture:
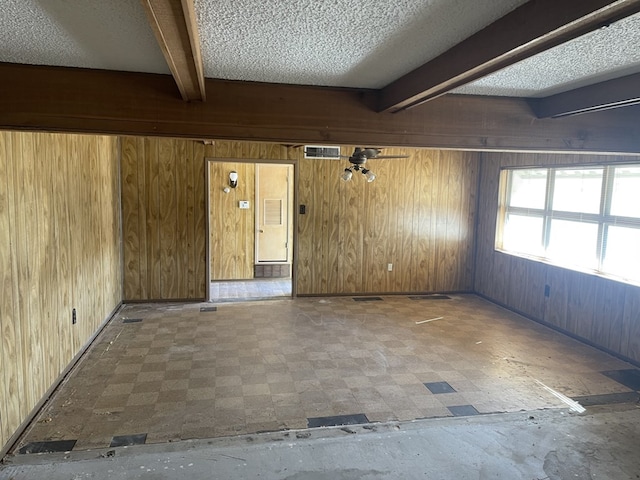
250	230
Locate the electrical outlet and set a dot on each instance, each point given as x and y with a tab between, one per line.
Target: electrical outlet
389	267
74	318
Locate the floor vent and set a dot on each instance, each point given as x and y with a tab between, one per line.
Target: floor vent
429	297
367	299
272	270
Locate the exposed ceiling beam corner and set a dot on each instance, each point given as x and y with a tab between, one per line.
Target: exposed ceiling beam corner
175	27
527	30
619	92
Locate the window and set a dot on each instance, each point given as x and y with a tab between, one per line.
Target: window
585	218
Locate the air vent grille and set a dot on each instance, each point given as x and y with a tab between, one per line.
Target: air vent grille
317	151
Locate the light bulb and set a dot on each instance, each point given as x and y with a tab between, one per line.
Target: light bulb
346	176
370	175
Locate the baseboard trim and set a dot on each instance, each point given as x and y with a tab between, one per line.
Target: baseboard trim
560	330
17	435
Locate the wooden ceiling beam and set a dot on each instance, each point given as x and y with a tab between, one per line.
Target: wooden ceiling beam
126	103
616	93
174	24
529	29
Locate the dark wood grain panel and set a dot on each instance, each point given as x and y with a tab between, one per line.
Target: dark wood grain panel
164	224
59	203
630	342
386	221
125	103
584	305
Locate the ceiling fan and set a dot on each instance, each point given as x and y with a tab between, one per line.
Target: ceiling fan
359	158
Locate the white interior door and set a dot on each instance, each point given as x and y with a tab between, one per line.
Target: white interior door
272	212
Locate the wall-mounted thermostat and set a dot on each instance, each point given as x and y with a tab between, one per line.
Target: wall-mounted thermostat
243	204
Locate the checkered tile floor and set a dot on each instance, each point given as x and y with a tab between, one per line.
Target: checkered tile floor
180	373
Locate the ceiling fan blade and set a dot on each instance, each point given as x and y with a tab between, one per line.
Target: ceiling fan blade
389	156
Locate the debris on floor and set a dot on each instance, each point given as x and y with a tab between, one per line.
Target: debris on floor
430	320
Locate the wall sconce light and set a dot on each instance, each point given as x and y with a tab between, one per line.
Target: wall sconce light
233	179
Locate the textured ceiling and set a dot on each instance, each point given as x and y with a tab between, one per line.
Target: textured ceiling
104	34
603	54
352	43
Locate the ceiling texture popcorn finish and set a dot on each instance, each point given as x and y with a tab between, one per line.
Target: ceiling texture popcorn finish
108	35
363	43
606	53
474	74
341	43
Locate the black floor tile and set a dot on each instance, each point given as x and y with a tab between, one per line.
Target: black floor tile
355	419
131	320
463	410
607	398
48	447
126	440
429	297
439	387
629	378
367	299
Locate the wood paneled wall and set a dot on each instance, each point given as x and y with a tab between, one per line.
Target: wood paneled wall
59	250
418	214
601	311
231	229
164	219
231	233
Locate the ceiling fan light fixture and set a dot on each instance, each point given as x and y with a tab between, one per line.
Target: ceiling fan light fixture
369	174
346	175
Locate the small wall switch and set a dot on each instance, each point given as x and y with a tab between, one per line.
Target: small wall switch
389	267
244	204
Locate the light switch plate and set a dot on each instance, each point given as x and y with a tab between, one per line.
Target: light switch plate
244	204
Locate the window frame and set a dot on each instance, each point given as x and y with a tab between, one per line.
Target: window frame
604	219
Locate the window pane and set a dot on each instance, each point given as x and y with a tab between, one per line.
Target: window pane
573	243
578	190
528	188
523	234
626	192
622	257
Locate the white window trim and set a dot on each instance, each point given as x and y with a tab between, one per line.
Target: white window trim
603	218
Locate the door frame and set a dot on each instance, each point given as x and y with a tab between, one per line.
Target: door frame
283	161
